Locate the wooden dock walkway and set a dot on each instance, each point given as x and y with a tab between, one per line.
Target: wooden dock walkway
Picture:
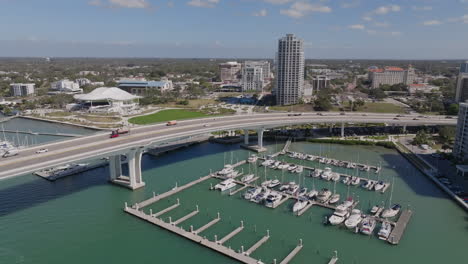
257	245
291	255
156	198
231	235
400	227
184	218
282	201
333	260
194	237
166	210
206	226
238	190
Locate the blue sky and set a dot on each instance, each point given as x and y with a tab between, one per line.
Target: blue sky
374	29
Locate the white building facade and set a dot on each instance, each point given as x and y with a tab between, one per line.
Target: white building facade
391	76
320	82
22	89
252	79
460	148
461	94
290	70
229	71
66	86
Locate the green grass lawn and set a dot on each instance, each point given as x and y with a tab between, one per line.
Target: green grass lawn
166	115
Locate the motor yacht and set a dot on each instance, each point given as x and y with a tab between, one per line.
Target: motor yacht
348	203
252	192
312	194
368	225
225	185
292	189
302	192
261	196
322	160
299	169
385	230
292	168
247	178
335	176
379	185
275	164
326	174
366	184
226	170
346	180
316	173
252	159
354	219
283	166
300	204
338	216
324	195
273	199
267	162
392	211
266	183
355	180
334	198
233	174
274	183
284	187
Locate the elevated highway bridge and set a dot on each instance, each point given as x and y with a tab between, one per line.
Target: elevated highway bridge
145	137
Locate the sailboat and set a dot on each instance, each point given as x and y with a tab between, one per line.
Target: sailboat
394	209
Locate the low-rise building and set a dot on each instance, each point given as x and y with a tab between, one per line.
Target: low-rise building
320	82
83	81
229	71
109	100
143	87
422	87
22	89
66	87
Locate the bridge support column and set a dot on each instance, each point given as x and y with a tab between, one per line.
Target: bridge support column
342	129
133	180
260	138
404	128
246	136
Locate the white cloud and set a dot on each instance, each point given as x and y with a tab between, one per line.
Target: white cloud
383	10
203	3
371	32
367	18
357	26
129	3
422	8
95	3
395	33
350	4
381	24
431	23
261	13
300	9
277	2
463	19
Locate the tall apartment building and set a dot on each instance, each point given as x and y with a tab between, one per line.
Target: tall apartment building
461	94
66	86
255	75
22	89
460	148
229	71
290	70
320	82
391	75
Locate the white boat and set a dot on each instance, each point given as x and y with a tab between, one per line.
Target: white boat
316	173
368	225
228	169
312	194
354	219
275	164
267	163
283	166
274	183
292	168
273	199
247	178
324	195
334	198
338	216
346	180
266	183
252	192
322	160
233	174
284	187
379	185
392	211
366	184
299	169
261	196
326	174
225	185
378	169
292	189
10	153
302	192
300	204
355	180
252	159
375	209
335	176
385	230
348	203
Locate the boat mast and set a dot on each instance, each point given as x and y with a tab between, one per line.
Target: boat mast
391	192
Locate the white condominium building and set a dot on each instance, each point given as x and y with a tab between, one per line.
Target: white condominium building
252	79
460	148
290	70
462	83
22	89
391	76
229	71
66	86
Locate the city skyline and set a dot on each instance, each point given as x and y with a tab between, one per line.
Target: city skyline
351	29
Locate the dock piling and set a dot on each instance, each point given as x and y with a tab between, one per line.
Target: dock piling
268	233
219	217
170	220
216	238
151	212
126	205
242	223
191	228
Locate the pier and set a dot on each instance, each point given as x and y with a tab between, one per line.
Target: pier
258	244
182	219
208	225
232	234
400	227
42	133
293	253
170	208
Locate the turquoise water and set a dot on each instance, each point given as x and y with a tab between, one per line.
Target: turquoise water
79	219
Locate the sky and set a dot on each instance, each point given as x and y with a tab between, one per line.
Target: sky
331	29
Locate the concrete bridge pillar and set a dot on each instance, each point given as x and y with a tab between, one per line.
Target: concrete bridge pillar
404	128
342	129
260	138
246	136
134	179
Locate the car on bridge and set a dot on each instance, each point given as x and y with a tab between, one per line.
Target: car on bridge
42	150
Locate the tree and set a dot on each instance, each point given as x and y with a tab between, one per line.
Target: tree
447	134
322	104
452	109
421	138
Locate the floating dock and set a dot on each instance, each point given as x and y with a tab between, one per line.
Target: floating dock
293	253
400	227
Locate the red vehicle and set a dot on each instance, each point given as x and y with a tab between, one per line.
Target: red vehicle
114	134
119	131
